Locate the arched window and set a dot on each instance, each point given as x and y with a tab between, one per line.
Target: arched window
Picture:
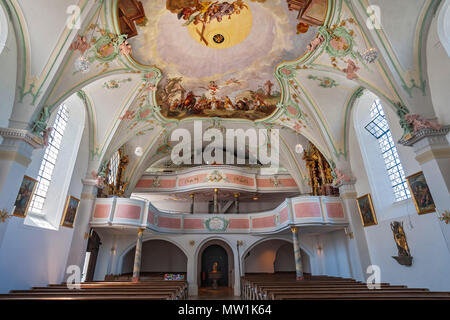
49	162
378	127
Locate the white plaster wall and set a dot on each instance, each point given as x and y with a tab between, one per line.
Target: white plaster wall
438	63
426	241
332	255
8	66
34	256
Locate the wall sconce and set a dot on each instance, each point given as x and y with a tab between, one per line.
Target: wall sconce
192	243
240	243
319	250
348	233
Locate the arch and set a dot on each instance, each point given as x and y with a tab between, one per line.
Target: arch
443	26
438	63
4	30
284	258
119	264
158	255
306	253
231	259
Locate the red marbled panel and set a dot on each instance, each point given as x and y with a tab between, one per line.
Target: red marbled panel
284	215
128	211
239	224
266	222
163	184
335	210
240	180
102	211
143	183
307	210
169	223
268	183
151	217
193	224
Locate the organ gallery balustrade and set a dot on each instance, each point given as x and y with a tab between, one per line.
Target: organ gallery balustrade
299	211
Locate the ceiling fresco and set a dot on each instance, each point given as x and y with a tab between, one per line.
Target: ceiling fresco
218	59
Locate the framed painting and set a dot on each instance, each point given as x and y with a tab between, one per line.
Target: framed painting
24	197
70	212
420	193
365	207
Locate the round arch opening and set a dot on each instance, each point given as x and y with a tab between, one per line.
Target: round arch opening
215	251
158	258
273	256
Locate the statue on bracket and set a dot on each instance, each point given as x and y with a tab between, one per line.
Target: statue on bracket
404	255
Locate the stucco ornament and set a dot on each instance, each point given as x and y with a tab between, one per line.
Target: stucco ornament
217	224
445	217
40	125
4	216
418	123
216	176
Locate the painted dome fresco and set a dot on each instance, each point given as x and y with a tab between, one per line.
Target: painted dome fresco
219	58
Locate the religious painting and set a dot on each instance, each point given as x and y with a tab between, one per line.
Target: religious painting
70	212
218	58
420	193
365	207
24	197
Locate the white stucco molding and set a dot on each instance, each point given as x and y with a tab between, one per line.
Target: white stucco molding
428	138
13	134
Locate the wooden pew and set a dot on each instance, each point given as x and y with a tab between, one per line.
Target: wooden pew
153	290
285	287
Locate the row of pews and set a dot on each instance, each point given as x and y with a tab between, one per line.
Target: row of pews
151	290
285	287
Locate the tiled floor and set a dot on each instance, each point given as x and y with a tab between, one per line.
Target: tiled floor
221	293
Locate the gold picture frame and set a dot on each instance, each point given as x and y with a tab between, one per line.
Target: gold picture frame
420	193
24	197
70	212
366	210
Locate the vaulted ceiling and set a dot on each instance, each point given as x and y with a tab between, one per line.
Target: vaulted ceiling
255	68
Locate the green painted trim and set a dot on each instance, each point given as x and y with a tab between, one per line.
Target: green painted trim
395	62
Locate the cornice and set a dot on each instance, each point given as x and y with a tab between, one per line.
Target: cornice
24	135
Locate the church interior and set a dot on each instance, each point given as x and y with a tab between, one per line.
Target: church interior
229	149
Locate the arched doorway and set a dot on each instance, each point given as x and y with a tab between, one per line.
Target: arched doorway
214	254
215	251
93	248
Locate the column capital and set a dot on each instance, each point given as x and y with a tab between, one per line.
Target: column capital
347	190
429	144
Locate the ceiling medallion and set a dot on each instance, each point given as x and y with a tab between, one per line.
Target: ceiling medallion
218	38
370	55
